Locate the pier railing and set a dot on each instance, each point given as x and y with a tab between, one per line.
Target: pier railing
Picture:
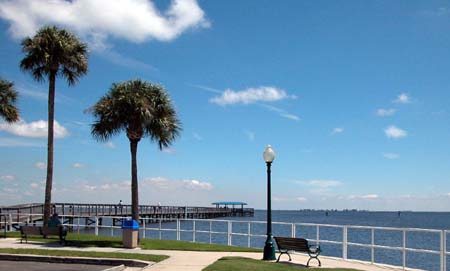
344	238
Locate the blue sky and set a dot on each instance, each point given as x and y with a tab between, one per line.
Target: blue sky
352	95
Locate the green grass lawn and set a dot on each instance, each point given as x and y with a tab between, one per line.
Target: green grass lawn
84	240
89	254
243	264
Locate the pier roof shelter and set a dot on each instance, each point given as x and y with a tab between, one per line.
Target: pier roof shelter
226	204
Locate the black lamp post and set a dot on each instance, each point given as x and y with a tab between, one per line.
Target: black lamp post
269	249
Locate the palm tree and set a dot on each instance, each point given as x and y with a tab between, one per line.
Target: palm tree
8	97
142	109
53	52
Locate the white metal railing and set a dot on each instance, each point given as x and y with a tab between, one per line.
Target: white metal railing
149	224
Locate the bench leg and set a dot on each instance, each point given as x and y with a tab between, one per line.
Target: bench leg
307	264
284	252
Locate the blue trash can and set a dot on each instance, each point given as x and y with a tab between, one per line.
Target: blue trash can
130	233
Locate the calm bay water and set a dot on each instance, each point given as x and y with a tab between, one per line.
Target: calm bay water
418	240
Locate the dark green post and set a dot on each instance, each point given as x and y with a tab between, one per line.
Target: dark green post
269	249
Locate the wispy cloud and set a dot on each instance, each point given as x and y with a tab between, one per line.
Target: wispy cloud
364	197
7	178
109	145
251	96
197	136
391	155
337	130
78	165
168	151
206	88
403	98
132	20
381	112
395	132
40	165
12	142
125	61
250	135
35	129
281	112
321	183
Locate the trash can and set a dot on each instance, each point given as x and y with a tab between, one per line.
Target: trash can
130	233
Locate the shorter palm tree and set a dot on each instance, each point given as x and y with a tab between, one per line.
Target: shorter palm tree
141	109
8	98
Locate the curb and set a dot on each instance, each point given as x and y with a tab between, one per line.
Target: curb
76	260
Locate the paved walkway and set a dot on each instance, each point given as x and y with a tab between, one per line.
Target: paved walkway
195	260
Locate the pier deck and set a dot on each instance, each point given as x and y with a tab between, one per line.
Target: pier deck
31	213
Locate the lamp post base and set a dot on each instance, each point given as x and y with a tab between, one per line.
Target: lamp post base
269	249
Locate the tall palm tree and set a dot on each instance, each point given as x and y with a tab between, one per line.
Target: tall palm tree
142	109
8	97
53	52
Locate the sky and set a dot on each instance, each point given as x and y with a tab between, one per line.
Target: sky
352	96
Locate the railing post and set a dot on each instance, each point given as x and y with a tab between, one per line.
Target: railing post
96	225
10	222
160	227
344	243
317	234
229	233
210	232
249	232
443	250
372	246
143	226
178	229
193	231
404	248
293	230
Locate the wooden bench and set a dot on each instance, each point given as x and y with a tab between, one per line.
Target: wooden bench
59	231
288	244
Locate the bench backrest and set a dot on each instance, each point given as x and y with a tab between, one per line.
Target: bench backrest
289	243
51	230
32	230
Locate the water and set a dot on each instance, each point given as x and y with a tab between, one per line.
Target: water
415	240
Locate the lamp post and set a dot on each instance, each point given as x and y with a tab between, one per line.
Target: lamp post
269	249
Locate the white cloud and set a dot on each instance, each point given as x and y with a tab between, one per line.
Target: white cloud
386	112
35	129
301	199
8	178
168	184
34	185
110	145
338	130
132	20
78	165
197	185
364	197
391	155
251	96
321	183
40	165
395	132
403	98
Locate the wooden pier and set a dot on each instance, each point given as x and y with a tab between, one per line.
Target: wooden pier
32	213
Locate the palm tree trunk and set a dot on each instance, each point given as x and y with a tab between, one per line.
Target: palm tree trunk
49	180
134	180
